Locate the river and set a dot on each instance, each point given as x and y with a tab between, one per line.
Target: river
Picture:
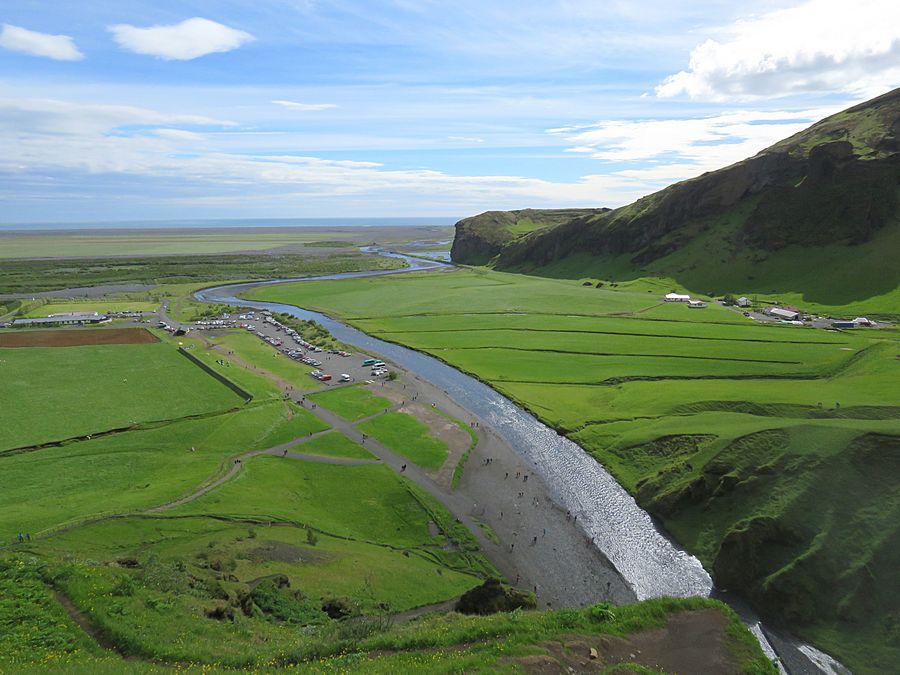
646	557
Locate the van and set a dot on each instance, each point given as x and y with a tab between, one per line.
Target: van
379	364
345	377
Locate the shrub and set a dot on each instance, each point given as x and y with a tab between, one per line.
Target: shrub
601	613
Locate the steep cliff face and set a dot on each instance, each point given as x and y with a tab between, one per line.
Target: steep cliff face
479	238
834	183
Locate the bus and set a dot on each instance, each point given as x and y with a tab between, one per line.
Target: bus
370	362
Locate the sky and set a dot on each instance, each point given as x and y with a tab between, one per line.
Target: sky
189	109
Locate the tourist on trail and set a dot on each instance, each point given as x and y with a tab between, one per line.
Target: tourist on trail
403	468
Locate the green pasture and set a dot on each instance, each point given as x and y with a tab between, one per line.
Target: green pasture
54	393
407	436
666	397
136	469
334	445
353	402
465	293
367	502
329	568
251	378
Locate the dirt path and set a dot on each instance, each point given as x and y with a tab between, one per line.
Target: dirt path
84	623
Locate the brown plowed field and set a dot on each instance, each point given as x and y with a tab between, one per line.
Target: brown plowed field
77	338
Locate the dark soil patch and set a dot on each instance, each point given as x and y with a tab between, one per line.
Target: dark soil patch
691	643
277	551
77	338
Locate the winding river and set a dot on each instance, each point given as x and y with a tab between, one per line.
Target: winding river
651	563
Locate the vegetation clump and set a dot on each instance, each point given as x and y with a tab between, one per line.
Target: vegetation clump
492	597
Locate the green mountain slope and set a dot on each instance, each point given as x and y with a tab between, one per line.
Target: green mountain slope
812	217
479	238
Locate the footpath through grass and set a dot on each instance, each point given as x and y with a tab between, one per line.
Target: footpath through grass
135	470
751	442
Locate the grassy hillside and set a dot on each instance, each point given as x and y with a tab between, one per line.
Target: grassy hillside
768	450
481	237
812	219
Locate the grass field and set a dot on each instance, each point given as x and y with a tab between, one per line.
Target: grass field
728	430
352	403
335	445
180	240
27	276
67	392
407	436
135	469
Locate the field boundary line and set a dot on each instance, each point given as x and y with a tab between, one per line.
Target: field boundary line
243	393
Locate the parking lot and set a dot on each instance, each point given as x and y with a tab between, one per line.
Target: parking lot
330	367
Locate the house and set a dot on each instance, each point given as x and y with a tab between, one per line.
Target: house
677	297
780	313
863	321
62	320
696	304
743	301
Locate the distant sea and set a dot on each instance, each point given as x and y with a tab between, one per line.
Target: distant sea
218	224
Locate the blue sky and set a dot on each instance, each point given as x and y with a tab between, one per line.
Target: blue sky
118	110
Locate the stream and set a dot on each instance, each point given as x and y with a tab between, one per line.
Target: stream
645	556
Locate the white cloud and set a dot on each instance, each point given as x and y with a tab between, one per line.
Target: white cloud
304	107
58	47
41	138
818	46
179	135
183	41
674	149
466	139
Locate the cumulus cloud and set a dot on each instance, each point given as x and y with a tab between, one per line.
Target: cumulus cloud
24	41
818	46
673	149
183	41
304	107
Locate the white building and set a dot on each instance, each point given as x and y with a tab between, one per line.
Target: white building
743	301
780	313
696	304
677	297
